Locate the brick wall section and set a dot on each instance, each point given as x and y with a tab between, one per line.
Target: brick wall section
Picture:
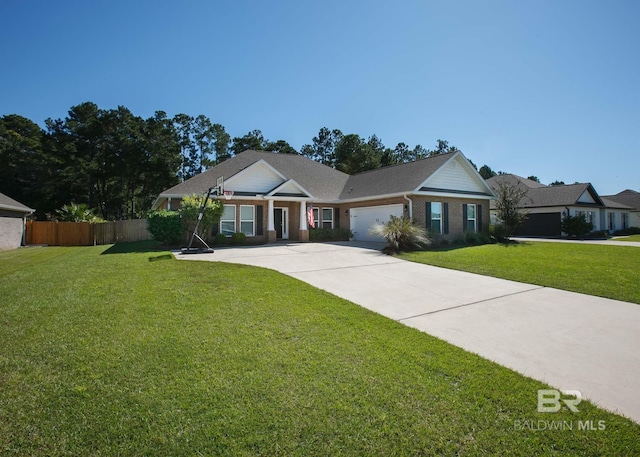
455	213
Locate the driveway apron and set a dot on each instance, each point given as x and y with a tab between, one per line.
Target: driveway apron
570	341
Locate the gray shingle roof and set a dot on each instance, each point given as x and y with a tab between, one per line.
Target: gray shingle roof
539	195
627	197
614	204
8	203
323	182
514	180
395	179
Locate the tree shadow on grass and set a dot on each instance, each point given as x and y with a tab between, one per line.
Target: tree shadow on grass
135	247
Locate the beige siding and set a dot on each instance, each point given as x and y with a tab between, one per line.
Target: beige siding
454	175
456	227
257	178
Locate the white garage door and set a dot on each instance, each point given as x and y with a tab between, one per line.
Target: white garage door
362	219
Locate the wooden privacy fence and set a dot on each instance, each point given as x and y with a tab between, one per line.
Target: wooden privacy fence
86	233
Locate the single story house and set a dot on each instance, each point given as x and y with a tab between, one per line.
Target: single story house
631	199
275	196
548	205
13	216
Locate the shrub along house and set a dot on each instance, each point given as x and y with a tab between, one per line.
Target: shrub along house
274	195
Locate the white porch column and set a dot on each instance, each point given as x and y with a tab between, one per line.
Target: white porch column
270	224
303	216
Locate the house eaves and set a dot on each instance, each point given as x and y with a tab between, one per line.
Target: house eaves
9	204
277	191
627	197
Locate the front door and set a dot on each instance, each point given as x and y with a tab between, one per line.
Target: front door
281	223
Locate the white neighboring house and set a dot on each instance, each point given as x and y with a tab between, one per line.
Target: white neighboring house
548	205
13	216
630	199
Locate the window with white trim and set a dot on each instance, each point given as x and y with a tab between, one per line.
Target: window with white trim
248	220
471	217
612	221
625	221
316	218
436	218
327	218
589	216
228	220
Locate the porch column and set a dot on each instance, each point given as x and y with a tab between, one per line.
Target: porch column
303	216
271	229
270	225
303	234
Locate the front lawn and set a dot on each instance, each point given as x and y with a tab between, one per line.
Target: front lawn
635	238
605	271
109	352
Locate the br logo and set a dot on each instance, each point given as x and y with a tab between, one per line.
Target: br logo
551	400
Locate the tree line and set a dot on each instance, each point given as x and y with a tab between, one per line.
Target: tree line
117	163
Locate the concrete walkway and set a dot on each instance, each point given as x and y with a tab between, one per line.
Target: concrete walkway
568	340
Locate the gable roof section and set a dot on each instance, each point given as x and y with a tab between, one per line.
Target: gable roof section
259	177
514	180
456	176
403	178
539	195
627	197
9	204
323	182
615	205
290	188
292	175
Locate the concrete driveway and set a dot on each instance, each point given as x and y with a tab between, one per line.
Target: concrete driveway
568	340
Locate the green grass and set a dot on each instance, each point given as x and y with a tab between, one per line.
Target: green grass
605	271
635	238
136	353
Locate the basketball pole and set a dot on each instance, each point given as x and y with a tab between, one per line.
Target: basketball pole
207	249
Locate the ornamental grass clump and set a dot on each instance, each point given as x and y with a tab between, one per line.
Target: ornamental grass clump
402	234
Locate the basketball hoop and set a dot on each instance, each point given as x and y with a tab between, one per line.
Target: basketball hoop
228	194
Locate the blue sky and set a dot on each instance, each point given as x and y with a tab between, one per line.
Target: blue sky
545	88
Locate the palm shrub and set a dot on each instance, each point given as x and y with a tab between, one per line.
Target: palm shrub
76	213
402	234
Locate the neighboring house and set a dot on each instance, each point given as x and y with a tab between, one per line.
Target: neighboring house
631	199
13	216
272	194
546	206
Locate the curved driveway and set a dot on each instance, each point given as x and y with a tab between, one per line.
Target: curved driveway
568	340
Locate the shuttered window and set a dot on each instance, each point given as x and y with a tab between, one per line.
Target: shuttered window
327	218
437	218
247	220
228	220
